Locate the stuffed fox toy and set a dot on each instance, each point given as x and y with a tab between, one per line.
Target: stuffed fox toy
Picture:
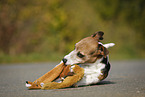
68	78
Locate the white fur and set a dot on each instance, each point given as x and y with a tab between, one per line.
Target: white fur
28	85
91	73
71	68
72	58
41	84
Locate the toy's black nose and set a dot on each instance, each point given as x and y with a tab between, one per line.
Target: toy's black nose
27	82
64	60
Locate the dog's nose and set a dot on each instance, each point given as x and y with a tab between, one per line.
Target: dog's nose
64	60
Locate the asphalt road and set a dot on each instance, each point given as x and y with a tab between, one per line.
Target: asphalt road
126	79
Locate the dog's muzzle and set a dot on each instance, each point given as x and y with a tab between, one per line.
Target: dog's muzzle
64	60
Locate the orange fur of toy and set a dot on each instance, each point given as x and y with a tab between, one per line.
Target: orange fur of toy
52	74
65	71
60	70
48	77
68	81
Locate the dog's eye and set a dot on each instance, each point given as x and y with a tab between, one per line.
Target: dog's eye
80	55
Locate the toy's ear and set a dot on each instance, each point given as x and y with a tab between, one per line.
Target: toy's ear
102	50
98	35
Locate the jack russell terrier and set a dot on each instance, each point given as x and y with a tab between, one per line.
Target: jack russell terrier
91	55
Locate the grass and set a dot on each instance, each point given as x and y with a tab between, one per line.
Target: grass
30	58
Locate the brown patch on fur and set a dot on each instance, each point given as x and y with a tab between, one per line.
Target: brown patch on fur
98	35
102	51
89	44
86	46
101	77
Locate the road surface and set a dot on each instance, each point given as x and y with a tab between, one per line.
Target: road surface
126	79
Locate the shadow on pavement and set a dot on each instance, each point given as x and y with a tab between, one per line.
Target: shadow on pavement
98	84
105	83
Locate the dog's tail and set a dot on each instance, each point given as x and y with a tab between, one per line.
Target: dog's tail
108	45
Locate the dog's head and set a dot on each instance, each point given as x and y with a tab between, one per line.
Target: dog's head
88	50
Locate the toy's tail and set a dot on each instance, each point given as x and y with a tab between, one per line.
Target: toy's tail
48	77
52	74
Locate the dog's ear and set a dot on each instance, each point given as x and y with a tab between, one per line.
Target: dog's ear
102	51
98	35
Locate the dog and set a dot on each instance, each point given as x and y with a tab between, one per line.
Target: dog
91	55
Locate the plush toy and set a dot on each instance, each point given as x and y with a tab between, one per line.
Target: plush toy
69	75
